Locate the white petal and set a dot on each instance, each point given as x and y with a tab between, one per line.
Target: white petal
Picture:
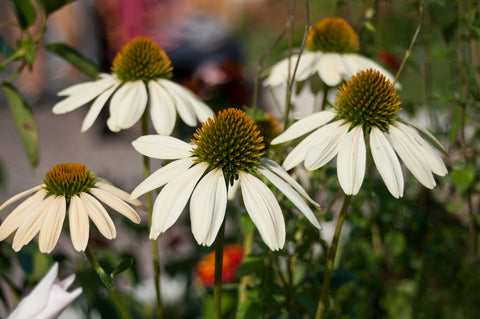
264	210
386	162
182	102
202	111
173	198
128	104
20	196
297	155
81	87
304	126
162	109
30	226
162	147
432	157
52	224
306	66
279	72
327	69
96	107
162	176
351	161
365	64
116	203
290	193
79	223
20	213
426	135
123	195
84	93
207	207
98	214
329	138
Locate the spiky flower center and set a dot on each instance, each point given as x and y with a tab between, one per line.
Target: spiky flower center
68	179
333	35
369	100
142	59
230	141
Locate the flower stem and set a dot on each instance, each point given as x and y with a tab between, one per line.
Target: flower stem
107	281
217	286
332	252
153	242
242	288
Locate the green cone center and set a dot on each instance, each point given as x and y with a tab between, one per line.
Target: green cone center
369	100
333	35
68	179
141	59
230	142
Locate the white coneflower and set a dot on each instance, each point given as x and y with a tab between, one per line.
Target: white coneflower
329	52
365	107
226	149
68	187
140	72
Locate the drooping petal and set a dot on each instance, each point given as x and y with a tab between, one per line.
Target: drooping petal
20	196
364	63
116	203
127	105
426	135
96	107
162	147
30	226
327	69
81	87
386	162
20	213
173	198
329	137
290	193
264	210
351	160
99	216
79	223
162	109
202	111
123	195
84	93
182	102
52	223
297	155
306	66
408	150
162	176
207	207
304	126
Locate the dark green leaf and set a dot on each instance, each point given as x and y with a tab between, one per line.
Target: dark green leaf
124	265
24	11
5	49
251	264
462	179
50	6
28	47
75	58
25	123
248	309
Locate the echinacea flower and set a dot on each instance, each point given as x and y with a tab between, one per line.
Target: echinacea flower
226	149
365	107
48	299
140	72
232	258
67	187
330	52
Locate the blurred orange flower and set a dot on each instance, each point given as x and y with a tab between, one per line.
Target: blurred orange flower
232	258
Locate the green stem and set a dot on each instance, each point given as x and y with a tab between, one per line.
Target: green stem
107	281
153	242
332	252
325	98
217	286
247	248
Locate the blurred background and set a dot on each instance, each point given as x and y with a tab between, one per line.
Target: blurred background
417	257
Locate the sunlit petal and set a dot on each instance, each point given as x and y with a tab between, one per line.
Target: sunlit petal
162	147
162	109
351	160
52	224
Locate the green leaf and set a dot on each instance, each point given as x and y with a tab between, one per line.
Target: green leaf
124	265
28	47
250	264
24	120
248	309
462	179
24	11
50	6
75	58
246	224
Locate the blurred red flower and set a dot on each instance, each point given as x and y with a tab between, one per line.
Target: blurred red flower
232	258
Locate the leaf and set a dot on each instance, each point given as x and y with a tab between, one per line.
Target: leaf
50	6
24	120
248	309
250	264
24	11
124	265
462	178
75	58
5	49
